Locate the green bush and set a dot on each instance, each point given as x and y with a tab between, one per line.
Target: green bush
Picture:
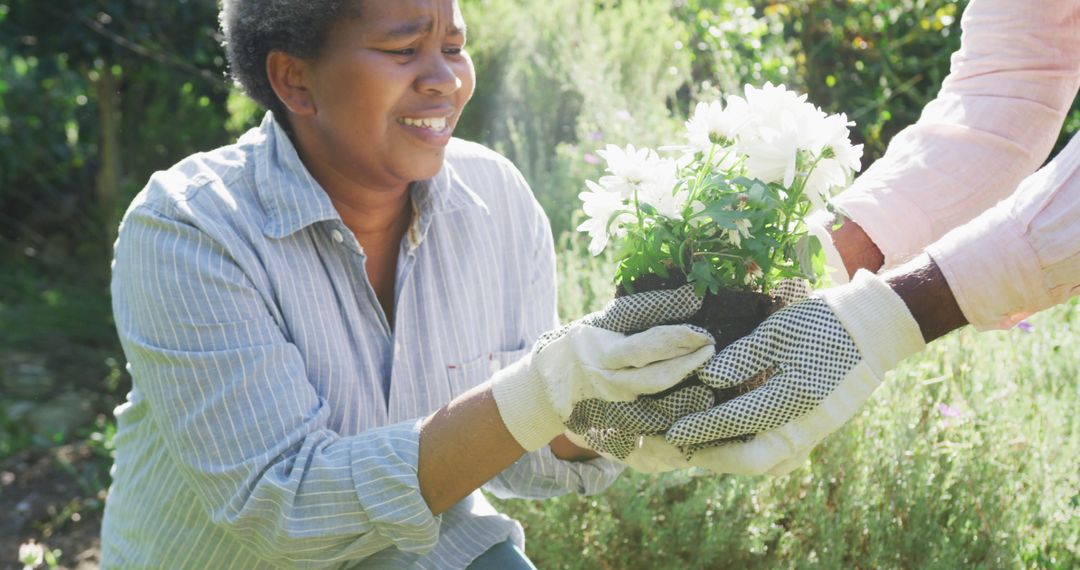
547	98
879	62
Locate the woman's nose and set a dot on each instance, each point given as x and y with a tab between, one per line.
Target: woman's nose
439	77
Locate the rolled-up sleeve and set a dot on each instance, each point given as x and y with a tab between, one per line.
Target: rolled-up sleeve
994	122
236	412
541	475
1023	255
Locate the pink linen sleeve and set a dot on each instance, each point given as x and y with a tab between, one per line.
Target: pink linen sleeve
993	123
1022	255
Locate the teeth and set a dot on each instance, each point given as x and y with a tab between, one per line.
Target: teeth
436	124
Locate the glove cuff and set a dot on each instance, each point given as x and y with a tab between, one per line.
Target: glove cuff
524	405
877	319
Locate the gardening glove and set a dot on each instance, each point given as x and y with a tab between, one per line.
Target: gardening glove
591	362
655	455
827	354
631	432
615	429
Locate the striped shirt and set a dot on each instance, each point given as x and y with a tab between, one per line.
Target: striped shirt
274	416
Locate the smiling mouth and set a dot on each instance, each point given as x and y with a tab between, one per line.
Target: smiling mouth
437	124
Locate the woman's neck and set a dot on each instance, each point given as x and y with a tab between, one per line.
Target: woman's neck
375	217
370	212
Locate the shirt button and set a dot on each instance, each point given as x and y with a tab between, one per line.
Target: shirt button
337	236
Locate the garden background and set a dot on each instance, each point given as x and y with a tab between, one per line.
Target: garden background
967	458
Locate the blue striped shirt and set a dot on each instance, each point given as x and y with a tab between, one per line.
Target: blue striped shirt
274	414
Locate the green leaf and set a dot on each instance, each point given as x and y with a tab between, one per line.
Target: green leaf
704	275
804	256
744	182
661	233
722	217
660	269
718	182
760	246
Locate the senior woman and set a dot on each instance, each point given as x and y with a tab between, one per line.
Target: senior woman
311	317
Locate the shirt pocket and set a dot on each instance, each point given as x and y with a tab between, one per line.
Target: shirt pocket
466	376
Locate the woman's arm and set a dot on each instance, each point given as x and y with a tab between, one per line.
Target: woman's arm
993	123
1022	255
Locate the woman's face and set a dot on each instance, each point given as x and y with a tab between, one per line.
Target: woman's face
388	90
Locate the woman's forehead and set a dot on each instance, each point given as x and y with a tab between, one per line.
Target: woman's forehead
400	16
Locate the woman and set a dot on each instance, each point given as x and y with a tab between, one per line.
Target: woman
295	306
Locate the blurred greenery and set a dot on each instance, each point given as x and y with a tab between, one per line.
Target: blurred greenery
95	95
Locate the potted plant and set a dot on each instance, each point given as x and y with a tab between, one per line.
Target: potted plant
727	212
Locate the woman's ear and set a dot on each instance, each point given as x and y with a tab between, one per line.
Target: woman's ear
290	77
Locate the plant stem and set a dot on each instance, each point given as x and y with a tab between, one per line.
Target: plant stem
717	254
793	203
694	192
701	175
637	211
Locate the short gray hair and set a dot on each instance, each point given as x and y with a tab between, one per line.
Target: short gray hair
254	28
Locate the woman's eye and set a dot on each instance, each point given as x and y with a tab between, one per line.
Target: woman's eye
453	50
404	52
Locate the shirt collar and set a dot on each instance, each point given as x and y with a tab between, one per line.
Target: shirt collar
446	192
294	199
291	196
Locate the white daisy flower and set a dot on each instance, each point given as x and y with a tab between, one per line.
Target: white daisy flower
713	123
603	210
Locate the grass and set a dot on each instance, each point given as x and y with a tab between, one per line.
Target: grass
966	458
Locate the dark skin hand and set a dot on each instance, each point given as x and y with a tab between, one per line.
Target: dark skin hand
856	248
919	282
926	293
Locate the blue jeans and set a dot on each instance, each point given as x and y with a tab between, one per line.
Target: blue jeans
503	556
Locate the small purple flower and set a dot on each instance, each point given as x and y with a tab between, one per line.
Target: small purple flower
596	136
948	411
1025	326
591	158
948	415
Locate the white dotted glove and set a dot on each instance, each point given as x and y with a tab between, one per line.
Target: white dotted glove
615	430
631	432
592	363
827	354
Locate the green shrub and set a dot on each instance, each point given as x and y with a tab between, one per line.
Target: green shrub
547	98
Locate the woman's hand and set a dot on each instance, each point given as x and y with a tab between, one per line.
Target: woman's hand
856	248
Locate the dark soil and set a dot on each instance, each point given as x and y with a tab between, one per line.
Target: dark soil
43	497
727	315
